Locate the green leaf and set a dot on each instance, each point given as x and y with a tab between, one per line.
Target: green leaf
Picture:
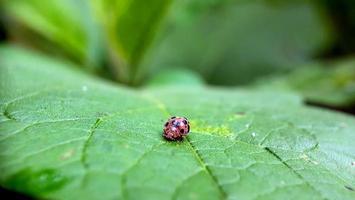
130	27
331	84
65	135
61	26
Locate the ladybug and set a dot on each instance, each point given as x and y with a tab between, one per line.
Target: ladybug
175	128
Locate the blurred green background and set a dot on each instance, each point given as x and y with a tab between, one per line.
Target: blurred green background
297	45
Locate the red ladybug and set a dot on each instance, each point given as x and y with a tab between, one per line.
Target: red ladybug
175	128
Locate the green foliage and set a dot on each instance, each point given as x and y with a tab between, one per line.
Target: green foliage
130	27
234	42
58	26
71	28
325	83
228	42
71	136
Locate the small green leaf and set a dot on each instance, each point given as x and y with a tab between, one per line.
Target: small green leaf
66	135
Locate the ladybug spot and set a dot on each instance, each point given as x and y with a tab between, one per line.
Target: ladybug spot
181	130
173	122
173	117
166	124
185	122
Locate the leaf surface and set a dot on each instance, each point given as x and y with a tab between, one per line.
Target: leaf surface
66	135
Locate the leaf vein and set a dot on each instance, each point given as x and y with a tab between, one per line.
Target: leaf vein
164	110
83	158
294	171
206	168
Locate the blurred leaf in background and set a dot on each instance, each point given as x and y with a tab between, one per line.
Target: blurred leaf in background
233	42
64	27
227	42
130	27
331	84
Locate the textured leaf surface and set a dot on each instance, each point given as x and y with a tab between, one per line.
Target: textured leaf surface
65	135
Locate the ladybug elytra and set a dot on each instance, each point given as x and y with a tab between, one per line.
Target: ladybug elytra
176	128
